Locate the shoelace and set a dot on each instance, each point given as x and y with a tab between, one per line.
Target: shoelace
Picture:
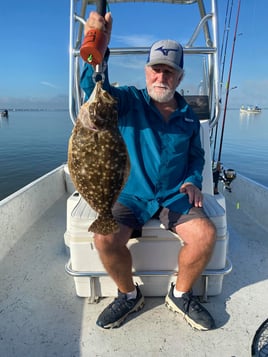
119	303
190	302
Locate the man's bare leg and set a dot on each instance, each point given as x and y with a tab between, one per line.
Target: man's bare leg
117	261
198	236
116	257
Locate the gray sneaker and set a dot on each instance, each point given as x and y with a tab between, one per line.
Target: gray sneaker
193	312
116	313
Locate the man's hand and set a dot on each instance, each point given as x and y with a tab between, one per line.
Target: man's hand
195	195
96	21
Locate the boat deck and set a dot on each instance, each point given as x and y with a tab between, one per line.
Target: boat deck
40	314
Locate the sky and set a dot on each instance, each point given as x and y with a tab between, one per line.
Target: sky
34	47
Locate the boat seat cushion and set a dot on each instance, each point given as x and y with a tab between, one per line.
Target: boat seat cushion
81	215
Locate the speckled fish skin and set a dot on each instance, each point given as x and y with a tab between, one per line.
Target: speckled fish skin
97	158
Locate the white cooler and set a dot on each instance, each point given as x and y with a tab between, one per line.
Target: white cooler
154	254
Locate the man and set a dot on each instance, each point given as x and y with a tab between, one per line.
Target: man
162	136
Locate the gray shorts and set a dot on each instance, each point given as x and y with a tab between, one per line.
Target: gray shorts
168	218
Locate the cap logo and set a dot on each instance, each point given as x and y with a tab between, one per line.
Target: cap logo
165	51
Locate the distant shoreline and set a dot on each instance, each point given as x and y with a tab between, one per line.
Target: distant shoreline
34	110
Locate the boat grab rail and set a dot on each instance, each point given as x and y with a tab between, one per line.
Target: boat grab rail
145	50
96	274
142	273
179	2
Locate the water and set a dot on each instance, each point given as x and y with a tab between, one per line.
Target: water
35	142
31	144
245	144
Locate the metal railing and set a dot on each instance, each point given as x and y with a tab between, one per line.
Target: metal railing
95	275
208	21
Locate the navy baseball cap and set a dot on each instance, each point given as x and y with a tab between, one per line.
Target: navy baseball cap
167	52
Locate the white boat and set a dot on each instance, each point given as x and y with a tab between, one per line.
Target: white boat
251	109
41	313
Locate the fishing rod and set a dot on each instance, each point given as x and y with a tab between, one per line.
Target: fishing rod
222	61
228	175
227	31
229	80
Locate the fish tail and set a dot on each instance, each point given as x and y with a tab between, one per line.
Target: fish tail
103	225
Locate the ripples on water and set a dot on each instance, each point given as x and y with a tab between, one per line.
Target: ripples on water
35	142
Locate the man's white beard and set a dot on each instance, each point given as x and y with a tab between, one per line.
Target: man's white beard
163	96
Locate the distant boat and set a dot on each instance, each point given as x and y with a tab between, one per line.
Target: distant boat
4	113
250	109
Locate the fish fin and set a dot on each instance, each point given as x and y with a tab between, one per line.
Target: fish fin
104	225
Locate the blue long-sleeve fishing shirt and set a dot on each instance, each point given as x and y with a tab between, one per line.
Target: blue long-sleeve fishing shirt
163	155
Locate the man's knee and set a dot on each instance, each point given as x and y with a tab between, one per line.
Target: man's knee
197	231
212	232
112	241
103	243
209	234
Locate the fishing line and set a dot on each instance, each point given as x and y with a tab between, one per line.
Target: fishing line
223	51
229	79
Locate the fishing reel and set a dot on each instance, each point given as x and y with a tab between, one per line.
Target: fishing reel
226	176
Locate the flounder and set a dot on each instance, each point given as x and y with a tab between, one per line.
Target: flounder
97	158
